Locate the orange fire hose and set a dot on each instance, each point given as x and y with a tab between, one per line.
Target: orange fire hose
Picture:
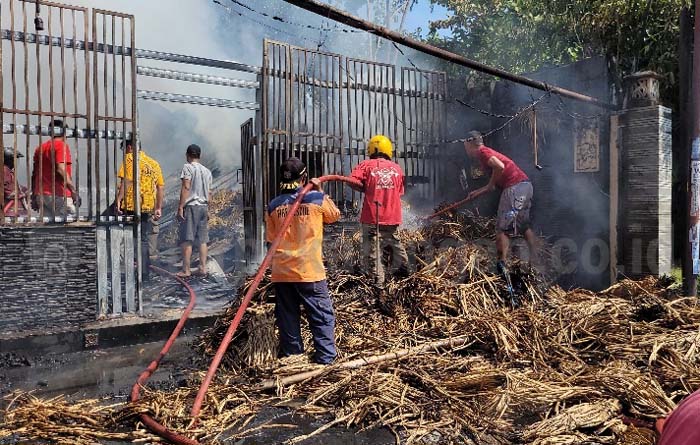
147	420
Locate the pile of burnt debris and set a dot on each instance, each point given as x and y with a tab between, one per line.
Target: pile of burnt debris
442	357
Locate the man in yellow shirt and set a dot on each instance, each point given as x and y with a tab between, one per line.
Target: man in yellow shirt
151	190
297	264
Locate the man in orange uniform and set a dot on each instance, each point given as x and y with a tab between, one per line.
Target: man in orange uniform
297	265
383	186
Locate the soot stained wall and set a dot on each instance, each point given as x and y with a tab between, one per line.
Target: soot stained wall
48	277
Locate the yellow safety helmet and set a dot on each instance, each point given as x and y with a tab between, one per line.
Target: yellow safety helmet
380	144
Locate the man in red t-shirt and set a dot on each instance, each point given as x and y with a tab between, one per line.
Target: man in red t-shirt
52	183
516	196
383	186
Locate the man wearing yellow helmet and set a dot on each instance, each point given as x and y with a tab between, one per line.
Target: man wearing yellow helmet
383	186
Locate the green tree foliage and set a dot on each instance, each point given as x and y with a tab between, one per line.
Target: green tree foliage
525	35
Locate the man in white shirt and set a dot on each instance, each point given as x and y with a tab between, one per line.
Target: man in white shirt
193	211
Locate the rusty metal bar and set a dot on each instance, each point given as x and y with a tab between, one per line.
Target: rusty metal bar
275	118
407	119
54	4
394	111
96	87
355	118
314	66
136	170
51	107
105	12
338	76
25	53
376	96
75	109
332	13
288	98
13	76
305	87
43	113
2	120
114	119
105	90
123	114
41	158
63	63
84	133
264	146
114	106
88	111
420	127
363	131
276	95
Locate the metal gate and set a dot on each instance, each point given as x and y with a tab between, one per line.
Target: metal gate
250	207
75	65
324	107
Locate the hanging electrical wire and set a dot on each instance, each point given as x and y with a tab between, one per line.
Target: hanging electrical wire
240	14
280	19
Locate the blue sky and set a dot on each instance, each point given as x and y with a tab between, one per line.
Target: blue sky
421	15
418	17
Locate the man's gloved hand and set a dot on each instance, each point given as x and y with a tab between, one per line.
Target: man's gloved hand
76	200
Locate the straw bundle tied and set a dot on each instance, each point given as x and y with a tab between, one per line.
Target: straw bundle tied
441	357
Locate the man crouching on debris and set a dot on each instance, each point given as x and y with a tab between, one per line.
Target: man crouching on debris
516	196
297	264
383	186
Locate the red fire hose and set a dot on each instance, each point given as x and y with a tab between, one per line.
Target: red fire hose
147	420
150	423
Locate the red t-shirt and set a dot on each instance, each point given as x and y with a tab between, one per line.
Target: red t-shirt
383	181
511	173
682	426
8	182
62	155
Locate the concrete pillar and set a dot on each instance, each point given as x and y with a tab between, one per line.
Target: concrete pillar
645	228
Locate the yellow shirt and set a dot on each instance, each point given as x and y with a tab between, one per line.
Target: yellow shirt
299	258
150	177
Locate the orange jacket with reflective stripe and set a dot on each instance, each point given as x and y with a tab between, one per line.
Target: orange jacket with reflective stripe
299	257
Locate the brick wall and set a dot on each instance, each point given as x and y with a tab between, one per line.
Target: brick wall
645	178
48	277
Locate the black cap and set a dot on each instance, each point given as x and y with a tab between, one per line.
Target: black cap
57	123
292	169
475	136
126	143
194	151
9	157
57	128
9	153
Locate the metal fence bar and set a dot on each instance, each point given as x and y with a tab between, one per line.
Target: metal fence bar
195	77
196	100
